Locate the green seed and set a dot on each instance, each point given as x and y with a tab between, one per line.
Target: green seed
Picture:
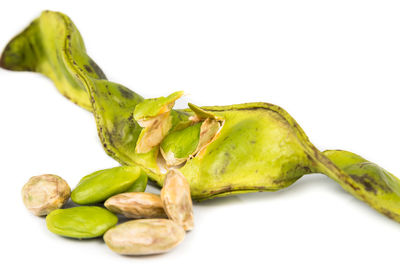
100	185
81	222
140	184
181	144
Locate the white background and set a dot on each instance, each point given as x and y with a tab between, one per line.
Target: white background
333	65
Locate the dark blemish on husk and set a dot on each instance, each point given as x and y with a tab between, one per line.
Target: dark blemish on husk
352	186
279	181
126	93
130	118
88	69
370	184
225	164
259	188
222	190
31	46
97	69
389	214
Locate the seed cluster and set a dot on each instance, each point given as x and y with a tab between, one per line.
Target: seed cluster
158	223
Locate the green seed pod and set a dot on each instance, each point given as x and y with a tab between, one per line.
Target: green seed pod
259	146
98	186
378	187
81	222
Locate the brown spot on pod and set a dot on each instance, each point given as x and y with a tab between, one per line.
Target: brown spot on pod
97	69
87	68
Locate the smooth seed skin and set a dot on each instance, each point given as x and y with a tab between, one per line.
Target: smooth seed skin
81	222
176	199
44	193
100	185
144	237
140	184
137	205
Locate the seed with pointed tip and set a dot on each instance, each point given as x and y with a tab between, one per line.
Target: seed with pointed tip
144	237
136	205
176	199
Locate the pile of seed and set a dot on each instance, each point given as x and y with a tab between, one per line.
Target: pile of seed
158	222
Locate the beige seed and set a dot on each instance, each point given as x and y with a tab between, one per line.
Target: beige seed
136	205
45	193
144	237
176	199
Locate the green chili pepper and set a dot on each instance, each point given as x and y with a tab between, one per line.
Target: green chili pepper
256	146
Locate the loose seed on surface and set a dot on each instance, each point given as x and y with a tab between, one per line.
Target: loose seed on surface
45	193
176	199
136	205
144	237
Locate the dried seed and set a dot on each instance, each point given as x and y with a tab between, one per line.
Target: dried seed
144	237
136	205
176	199
45	193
